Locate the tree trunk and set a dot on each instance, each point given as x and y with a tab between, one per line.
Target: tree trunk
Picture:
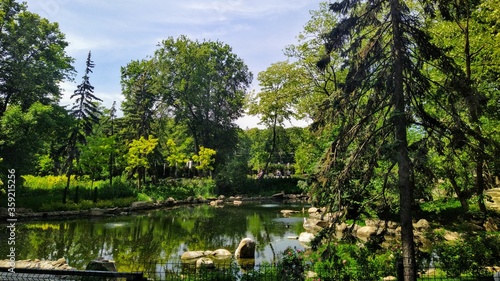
273	147
460	194
400	127
66	188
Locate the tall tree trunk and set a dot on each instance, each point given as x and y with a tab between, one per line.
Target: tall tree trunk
480	183
461	195
66	188
400	127
273	147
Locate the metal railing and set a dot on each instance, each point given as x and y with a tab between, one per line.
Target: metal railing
28	274
222	272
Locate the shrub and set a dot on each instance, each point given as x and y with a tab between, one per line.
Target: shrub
291	266
469	255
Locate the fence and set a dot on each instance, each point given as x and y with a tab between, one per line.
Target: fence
231	271
28	274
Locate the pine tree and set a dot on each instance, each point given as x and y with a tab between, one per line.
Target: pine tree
385	48
86	113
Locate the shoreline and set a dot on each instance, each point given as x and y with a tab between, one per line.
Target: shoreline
24	214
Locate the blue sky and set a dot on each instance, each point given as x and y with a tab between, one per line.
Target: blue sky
118	32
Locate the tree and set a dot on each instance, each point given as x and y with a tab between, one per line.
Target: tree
202	85
34	60
86	113
141	98
464	29
384	48
280	90
205	159
94	156
26	134
176	156
137	157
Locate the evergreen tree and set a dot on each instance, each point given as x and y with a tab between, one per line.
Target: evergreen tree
385	49
86	113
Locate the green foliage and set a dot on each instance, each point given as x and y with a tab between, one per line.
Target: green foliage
94	155
34	61
137	156
205	159
291	266
24	134
203	85
337	261
444	210
44	193
181	189
175	155
469	255
266	187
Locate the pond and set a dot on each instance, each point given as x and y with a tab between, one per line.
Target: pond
141	240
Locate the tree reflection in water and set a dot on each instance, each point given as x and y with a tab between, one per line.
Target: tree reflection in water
141	241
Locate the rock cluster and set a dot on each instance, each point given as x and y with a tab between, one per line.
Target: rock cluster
59	264
205	259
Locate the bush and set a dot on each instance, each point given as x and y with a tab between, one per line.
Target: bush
291	266
469	255
180	189
336	261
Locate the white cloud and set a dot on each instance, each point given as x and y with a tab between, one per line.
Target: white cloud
120	31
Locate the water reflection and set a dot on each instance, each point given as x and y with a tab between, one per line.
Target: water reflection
138	242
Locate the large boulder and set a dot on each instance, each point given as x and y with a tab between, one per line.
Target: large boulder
246	249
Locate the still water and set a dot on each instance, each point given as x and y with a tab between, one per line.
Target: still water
140	240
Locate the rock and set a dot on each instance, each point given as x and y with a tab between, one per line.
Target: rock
237	202
246	249
170	200
294	237
313	210
216	203
101	264
306	237
279	196
205	263
222	254
389	278
491	224
59	264
23	210
288	212
221	197
451	236
365	232
96	212
141	204
191	255
422	225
